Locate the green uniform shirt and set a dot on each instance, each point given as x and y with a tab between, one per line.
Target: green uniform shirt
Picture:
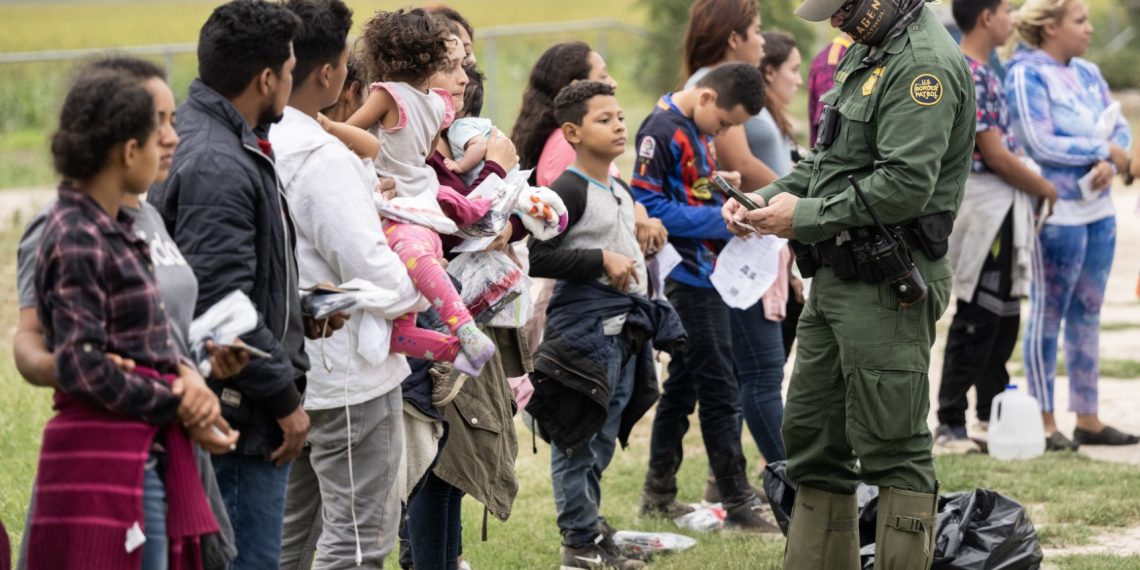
906	133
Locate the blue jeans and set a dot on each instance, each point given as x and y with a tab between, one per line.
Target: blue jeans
700	372
154	550
254	492
758	360
434	525
577	478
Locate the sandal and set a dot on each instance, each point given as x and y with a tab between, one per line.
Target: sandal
1107	436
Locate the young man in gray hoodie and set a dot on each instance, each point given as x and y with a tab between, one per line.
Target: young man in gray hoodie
342	489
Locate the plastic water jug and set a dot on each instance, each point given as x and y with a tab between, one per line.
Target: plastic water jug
1015	430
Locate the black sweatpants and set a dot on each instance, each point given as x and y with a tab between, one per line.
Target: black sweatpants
982	337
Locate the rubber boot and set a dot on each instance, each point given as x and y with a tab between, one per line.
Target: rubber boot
824	532
904	531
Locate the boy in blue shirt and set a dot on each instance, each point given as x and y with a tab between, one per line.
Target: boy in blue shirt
675	159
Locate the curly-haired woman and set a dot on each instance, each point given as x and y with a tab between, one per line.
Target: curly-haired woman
97	294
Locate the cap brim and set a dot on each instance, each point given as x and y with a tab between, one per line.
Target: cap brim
818	10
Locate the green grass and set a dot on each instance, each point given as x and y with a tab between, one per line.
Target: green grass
33	26
31	93
1070	497
1097	562
1114	326
1115	368
1061	488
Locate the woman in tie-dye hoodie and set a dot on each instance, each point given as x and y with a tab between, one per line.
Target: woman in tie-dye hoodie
1056	99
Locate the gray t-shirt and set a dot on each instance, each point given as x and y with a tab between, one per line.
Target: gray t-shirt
768	144
177	285
26	254
765	140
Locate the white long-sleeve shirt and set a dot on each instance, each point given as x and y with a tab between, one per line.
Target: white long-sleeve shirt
339	239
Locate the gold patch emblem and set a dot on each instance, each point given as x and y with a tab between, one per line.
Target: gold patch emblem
926	90
873	80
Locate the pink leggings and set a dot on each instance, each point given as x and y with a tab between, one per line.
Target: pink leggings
420	249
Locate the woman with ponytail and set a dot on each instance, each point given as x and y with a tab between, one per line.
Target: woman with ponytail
1056	99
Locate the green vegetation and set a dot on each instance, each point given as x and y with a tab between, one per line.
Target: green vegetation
31	93
1097	562
661	68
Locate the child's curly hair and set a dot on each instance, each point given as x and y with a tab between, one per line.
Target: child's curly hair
405	45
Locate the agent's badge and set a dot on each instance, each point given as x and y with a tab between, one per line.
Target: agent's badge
873	80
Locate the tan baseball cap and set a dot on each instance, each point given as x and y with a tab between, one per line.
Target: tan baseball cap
819	10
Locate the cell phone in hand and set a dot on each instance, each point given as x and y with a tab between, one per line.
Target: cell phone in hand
732	191
323	302
252	350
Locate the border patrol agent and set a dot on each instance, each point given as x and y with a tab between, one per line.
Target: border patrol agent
900	119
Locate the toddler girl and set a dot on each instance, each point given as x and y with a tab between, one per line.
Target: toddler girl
405	47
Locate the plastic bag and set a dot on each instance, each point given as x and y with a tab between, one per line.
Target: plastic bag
414	211
223	323
491	280
503	194
703	518
976	530
642	545
516	313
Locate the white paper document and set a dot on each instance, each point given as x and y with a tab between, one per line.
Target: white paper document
1105	125
746	268
659	267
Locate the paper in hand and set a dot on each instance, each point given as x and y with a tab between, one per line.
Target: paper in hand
746	268
659	266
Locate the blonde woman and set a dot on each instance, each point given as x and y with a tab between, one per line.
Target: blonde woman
1056	99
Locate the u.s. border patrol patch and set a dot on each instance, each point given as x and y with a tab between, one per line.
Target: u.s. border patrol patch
926	90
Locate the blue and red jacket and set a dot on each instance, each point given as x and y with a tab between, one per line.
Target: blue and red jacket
671	179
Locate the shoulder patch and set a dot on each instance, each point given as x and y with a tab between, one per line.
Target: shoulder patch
647	148
926	90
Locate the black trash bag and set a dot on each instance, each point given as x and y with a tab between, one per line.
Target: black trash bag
985	530
977	530
781	493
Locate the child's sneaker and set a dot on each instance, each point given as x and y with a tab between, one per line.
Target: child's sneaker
594	557
476	349
445	383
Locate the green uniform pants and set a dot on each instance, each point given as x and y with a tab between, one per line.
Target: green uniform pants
859	389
